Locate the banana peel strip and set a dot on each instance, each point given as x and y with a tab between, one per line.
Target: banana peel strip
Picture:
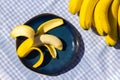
48	25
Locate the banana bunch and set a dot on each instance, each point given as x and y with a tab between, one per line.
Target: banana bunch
104	15
37	39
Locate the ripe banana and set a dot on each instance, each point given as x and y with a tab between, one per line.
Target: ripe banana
48	39
101	16
48	25
23	30
119	19
86	13
74	6
112	37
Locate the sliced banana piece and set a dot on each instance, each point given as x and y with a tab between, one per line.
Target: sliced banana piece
23	30
48	39
48	25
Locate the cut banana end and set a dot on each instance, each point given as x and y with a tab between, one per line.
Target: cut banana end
48	25
51	50
22	30
23	49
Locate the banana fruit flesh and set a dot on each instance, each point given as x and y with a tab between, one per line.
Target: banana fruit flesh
75	6
35	40
112	37
86	14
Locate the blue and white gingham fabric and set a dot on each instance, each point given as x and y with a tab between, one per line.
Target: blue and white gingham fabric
99	62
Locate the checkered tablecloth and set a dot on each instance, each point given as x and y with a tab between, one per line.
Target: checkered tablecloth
99	62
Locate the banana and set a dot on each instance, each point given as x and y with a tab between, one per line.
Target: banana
23	30
119	19
51	50
38	39
101	16
48	25
112	37
86	13
48	39
74	6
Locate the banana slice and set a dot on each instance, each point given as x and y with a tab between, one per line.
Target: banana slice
23	30
51	50
48	25
48	39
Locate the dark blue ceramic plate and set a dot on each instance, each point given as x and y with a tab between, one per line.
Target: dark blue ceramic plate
65	58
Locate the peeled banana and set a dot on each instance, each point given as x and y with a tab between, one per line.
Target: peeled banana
74	6
37	39
112	37
86	14
48	25
101	16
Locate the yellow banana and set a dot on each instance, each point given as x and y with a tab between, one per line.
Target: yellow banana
101	16
48	25
119	19
74	6
112	37
86	13
48	39
23	30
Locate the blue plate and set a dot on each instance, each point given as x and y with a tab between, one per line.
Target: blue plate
66	59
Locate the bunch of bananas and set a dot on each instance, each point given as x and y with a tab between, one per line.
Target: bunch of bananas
35	40
104	15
